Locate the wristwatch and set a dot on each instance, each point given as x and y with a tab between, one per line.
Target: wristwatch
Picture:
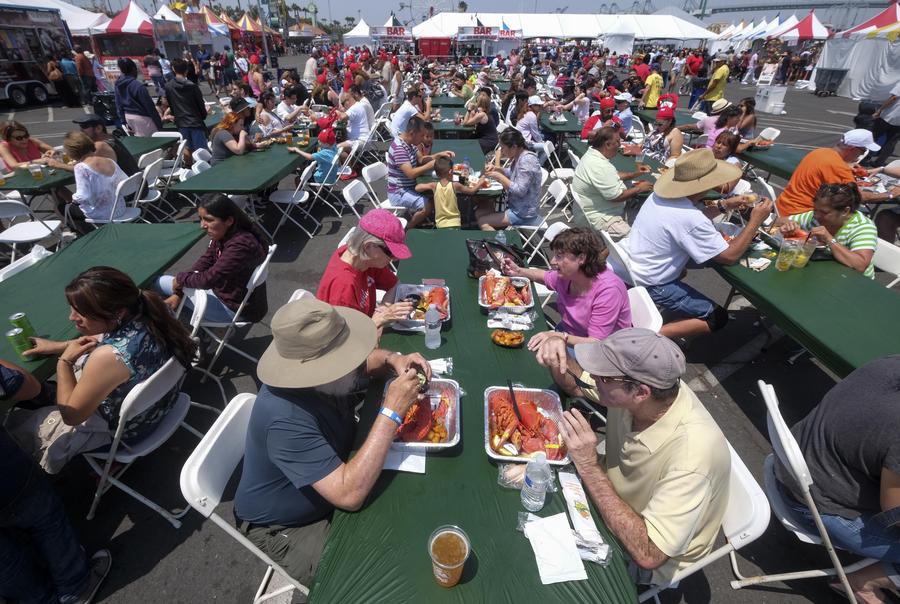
830	243
721	206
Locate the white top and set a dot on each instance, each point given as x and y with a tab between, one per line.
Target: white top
582	109
892	114
242	64
667	233
95	193
283	110
357	123
309	70
529	128
370	112
678	65
401	117
275	123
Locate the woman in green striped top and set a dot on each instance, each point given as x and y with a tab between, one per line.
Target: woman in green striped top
838	224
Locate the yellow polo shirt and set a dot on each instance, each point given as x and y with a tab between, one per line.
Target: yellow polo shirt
654	82
675	474
718	91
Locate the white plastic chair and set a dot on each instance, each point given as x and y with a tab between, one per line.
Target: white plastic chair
286	201
556	168
32	230
887	259
148	158
638	133
260	273
643	311
36	254
127	188
788	452
618	259
208	471
377	172
322	191
558	192
150	197
164	382
746	519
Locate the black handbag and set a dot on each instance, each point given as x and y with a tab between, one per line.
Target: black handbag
486	254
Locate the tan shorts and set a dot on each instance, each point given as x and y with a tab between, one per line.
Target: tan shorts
617	228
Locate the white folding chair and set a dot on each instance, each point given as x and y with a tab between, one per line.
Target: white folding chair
638	133
163	383
558	192
373	173
148	158
32	230
150	197
643	311
323	190
36	254
788	452
286	201
618	259
125	189
573	159
746	519
887	259
300	294
556	168
260	273
209	469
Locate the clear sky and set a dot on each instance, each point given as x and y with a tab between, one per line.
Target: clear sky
376	12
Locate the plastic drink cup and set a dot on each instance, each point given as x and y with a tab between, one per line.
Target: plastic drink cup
36	171
289	138
804	252
21	321
449	548
786	255
19	341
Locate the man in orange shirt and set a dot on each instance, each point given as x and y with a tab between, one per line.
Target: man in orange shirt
825	166
85	74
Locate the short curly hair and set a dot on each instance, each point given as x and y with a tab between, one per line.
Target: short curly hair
578	241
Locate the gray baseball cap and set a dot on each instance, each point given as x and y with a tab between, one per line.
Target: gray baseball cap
638	353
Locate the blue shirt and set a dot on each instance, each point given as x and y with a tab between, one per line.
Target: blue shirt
67	66
625	115
324	158
294	439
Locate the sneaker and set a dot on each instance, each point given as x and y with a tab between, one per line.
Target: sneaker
101	562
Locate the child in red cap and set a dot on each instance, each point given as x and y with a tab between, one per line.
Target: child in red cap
326	165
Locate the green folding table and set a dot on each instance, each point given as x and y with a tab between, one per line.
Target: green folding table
143	251
29	186
841	317
779	160
569	127
448	127
214	115
446	100
682	116
244	174
379	554
138	145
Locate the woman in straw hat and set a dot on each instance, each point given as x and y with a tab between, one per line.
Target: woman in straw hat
671	230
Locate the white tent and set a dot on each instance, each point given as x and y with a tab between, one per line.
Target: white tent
359	35
773	25
619	38
166	14
81	22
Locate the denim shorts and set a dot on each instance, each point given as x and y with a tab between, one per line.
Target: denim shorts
407	198
681	299
195	137
515	220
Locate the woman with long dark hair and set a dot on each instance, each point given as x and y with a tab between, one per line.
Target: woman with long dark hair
237	246
127	334
521	181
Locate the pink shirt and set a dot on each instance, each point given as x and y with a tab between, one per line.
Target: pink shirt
597	313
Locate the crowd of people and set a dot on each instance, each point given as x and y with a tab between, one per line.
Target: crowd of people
662	486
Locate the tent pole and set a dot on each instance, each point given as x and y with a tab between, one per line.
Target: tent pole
263	32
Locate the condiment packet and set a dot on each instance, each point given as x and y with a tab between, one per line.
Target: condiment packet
555	550
442	366
579	511
507	320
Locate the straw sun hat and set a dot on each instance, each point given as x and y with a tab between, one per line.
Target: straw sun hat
314	343
695	172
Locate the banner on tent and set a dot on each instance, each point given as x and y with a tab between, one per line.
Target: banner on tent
509	34
391	33
196	30
477	33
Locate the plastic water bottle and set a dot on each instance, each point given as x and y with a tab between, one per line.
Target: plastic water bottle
432	327
500	237
537	479
468	166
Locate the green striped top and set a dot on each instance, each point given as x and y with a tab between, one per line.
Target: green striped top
858	233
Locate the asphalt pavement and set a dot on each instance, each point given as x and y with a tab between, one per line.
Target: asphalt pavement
153	562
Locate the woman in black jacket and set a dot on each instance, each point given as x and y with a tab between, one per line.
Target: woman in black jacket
133	102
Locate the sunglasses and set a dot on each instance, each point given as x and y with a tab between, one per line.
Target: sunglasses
20	137
844	187
612	380
384	249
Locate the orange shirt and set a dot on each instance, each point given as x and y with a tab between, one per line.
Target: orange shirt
819	167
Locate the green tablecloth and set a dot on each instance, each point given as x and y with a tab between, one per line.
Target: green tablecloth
777	159
214	115
244	174
463	149
503	85
142	251
570	127
449	127
138	145
445	100
682	116
23	182
380	553
841	317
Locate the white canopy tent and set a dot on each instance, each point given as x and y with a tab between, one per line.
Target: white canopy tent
774	25
167	14
619	38
359	35
81	22
788	23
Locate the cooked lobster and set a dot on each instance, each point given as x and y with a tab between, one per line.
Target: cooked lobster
534	433
501	291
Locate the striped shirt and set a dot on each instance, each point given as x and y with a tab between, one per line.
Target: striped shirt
399	153
858	233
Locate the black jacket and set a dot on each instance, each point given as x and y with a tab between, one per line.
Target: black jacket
186	102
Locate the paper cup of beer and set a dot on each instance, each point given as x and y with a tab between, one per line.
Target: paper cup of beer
449	548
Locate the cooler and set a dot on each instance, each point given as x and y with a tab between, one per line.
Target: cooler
767	97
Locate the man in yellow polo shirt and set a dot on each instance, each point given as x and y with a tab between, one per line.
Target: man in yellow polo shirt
662	488
715	90
652	87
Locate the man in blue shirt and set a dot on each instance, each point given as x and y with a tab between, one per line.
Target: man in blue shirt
296	464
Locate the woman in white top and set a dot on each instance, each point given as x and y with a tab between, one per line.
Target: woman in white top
528	123
269	123
580	106
96	179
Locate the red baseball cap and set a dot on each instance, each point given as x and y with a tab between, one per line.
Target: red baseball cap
321	78
665	113
607	103
388	228
354	66
326	136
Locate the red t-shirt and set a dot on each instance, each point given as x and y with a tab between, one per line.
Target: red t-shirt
343	285
643	70
694	63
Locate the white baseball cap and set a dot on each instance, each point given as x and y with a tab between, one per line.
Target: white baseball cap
536	100
625	96
861	138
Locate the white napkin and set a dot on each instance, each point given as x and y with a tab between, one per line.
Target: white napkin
441	366
554	550
405	461
506	320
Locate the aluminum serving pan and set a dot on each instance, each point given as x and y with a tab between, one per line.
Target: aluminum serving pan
436	389
547	401
405	289
513	309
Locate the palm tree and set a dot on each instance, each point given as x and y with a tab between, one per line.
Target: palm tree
296	9
254	12
462	6
351	21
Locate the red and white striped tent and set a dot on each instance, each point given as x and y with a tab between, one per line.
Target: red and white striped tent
132	20
809	28
888	16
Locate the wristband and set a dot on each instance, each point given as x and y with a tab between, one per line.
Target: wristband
391	415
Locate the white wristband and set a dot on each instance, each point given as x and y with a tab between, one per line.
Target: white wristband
391	415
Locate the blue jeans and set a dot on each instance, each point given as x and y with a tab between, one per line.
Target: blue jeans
681	299
863	535
516	220
37	519
195	137
216	311
407	198
696	93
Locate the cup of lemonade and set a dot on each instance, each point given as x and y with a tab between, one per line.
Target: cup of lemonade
804	252
787	254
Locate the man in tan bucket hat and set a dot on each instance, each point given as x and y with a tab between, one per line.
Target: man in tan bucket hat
302	427
670	231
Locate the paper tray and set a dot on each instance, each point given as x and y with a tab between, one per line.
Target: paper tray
548	400
403	290
513	309
437	387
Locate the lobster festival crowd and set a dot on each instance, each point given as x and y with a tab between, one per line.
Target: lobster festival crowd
600	241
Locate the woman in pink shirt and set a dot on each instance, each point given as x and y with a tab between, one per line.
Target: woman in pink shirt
592	300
